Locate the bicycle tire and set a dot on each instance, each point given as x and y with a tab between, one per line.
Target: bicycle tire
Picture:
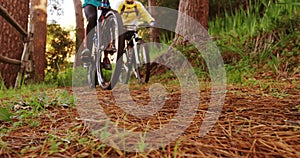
111	29
126	66
142	67
91	69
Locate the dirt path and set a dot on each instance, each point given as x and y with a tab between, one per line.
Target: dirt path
254	122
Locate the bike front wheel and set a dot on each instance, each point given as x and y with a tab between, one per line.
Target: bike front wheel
126	66
142	63
91	75
108	65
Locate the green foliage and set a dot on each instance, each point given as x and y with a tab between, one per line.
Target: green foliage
238	73
60	47
65	78
264	35
60	79
68	77
166	38
4	114
252	36
42	100
6	95
79	76
27	101
2	84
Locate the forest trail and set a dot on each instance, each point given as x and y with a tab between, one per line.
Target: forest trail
254	122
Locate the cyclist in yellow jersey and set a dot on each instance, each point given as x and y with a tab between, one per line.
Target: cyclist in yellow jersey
133	11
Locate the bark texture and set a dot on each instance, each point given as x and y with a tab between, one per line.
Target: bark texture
39	29
191	10
154	33
79	30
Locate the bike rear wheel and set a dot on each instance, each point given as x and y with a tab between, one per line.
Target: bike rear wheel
142	63
111	37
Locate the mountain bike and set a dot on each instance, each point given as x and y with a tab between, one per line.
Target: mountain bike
136	56
108	46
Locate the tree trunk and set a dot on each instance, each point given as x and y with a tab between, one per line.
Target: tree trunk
188	29
39	29
10	39
79	30
154	33
196	9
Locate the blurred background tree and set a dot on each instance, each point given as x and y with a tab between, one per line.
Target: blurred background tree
38	14
60	48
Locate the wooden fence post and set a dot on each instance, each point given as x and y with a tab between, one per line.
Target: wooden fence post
25	55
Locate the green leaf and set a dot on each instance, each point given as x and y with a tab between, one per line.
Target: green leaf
4	114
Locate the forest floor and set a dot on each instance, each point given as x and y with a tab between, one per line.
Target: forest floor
255	121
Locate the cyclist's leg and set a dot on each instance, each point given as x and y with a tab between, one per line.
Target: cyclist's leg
91	15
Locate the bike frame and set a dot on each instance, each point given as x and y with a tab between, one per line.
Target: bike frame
134	39
134	58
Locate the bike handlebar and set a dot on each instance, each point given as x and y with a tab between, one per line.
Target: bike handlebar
136	27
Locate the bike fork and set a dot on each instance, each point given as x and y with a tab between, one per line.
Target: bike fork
136	54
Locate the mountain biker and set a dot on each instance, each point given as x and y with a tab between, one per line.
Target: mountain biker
132	11
90	11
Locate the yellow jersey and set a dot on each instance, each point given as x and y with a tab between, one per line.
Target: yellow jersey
134	13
